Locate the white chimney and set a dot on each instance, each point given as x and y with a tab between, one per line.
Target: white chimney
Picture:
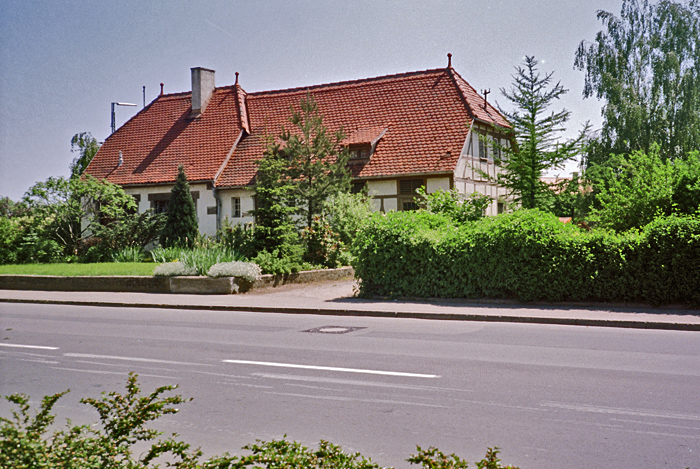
202	89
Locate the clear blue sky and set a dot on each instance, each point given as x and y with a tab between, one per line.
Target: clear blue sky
63	62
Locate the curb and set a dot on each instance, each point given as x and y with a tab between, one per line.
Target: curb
616	323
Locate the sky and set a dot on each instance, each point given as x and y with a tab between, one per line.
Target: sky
62	63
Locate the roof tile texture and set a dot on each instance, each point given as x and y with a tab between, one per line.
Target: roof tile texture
422	118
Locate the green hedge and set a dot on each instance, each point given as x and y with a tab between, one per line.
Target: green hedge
528	255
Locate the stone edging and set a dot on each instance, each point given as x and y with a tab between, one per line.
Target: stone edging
190	285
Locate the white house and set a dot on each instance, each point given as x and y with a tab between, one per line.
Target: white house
403	131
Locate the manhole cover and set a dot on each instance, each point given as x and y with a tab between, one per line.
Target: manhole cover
334	329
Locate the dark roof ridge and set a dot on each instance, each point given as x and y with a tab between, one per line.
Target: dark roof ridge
348	82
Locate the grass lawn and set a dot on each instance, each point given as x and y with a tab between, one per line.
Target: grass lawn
69	270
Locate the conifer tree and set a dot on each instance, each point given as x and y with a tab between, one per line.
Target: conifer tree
274	229
181	227
537	147
317	165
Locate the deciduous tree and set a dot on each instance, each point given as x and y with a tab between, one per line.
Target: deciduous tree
86	146
645	66
68	210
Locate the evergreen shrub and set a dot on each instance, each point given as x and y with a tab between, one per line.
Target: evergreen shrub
528	255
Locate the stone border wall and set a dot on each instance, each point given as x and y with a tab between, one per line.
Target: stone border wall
189	285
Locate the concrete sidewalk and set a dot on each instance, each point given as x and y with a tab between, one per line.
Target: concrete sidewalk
336	298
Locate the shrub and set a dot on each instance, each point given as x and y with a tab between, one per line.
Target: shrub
240	237
123	433
528	255
10	235
133	229
274	263
123	418
461	208
35	248
347	214
321	245
433	458
172	269
247	270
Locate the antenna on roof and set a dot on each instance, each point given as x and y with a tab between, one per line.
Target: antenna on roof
449	60
236	78
485	93
144	95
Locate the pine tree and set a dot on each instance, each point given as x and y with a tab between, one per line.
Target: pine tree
317	165
181	227
537	148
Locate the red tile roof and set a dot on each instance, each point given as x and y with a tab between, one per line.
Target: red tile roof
418	120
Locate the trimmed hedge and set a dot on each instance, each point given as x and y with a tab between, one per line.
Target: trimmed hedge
528	255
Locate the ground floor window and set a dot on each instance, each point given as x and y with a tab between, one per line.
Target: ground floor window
407	193
235	207
159	202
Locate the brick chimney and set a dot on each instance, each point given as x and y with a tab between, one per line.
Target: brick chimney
202	89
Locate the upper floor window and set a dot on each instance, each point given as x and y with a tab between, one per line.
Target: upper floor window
496	148
358	152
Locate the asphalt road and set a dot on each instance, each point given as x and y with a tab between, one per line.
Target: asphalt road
549	396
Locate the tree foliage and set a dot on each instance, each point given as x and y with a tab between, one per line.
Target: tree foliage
274	230
86	146
69	210
536	136
645	65
632	190
181	226
316	163
461	208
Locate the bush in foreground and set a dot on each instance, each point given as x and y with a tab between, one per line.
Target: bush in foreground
25	442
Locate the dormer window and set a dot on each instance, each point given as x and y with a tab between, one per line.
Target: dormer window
360	152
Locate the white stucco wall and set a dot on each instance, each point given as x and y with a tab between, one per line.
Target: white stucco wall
435	184
247	205
382	187
207	222
468	177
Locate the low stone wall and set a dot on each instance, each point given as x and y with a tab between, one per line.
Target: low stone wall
189	285
304	277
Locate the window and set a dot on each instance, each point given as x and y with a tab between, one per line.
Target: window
483	150
235	207
357	187
495	148
407	193
159	202
358	152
